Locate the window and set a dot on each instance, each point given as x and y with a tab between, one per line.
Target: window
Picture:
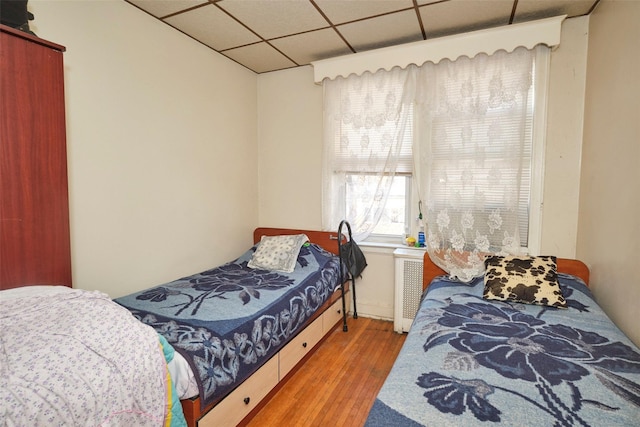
368	161
464	137
367	186
395	215
496	150
484	153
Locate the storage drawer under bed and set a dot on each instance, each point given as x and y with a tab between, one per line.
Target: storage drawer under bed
238	404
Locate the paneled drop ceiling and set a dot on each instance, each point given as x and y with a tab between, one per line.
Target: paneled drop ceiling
270	35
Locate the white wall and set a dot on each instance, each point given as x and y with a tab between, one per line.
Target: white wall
290	149
564	140
162	146
609	225
290	160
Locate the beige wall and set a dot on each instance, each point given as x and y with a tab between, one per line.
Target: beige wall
290	149
161	135
290	160
564	140
609	225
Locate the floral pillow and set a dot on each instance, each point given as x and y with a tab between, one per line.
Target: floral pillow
279	253
524	279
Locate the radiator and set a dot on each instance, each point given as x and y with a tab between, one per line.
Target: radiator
408	287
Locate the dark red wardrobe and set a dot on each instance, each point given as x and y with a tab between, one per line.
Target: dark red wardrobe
34	201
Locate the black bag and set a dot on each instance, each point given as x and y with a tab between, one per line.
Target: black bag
14	14
353	258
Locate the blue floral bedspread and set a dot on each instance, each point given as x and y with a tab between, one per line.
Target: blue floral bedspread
229	320
468	362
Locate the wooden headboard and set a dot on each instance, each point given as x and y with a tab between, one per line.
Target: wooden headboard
565	265
327	239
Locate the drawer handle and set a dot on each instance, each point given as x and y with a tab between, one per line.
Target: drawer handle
304	344
339	311
247	400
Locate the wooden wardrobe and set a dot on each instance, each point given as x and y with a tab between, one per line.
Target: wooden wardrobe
34	202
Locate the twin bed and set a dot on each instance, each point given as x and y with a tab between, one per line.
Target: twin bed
220	340
230	321
476	356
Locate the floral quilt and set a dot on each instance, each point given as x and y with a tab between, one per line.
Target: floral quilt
70	357
229	320
469	361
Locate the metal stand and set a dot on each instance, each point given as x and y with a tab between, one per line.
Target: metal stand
347	274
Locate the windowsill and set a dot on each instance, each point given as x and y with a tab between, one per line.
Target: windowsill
387	247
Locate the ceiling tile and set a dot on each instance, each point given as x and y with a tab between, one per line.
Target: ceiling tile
528	10
275	18
383	31
455	16
259	57
312	46
299	31
341	11
212	27
162	8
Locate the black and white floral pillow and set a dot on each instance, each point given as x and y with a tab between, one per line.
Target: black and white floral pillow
524	279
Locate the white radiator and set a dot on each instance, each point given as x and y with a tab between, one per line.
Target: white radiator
408	287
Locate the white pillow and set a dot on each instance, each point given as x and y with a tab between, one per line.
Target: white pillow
278	253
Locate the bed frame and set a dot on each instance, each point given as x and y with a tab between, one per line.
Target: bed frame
245	401
565	265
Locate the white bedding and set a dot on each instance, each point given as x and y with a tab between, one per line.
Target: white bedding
181	373
74	358
33	291
182	377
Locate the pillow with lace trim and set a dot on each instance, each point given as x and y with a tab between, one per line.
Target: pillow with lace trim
278	253
523	279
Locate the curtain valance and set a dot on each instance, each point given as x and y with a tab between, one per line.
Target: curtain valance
508	38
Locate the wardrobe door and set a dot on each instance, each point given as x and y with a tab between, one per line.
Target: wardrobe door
34	202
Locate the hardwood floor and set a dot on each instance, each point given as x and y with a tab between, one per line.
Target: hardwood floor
339	382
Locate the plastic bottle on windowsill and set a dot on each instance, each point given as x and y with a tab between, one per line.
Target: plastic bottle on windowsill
421	240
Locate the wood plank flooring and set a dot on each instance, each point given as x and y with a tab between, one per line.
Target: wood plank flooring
339	382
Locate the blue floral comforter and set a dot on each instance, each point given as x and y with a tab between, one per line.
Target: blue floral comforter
229	320
467	361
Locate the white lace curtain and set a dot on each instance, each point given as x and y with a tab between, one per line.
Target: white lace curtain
471	124
474	149
365	146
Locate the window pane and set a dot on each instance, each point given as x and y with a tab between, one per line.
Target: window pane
362	191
